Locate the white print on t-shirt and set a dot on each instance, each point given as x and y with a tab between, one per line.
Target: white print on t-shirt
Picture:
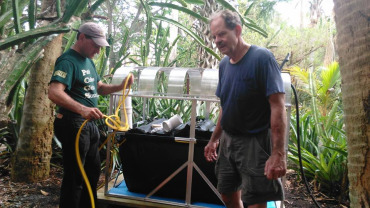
89	95
84	72
89	87
89	79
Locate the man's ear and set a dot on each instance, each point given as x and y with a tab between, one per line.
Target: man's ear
82	35
238	30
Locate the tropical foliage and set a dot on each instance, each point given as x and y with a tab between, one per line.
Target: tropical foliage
321	134
148	33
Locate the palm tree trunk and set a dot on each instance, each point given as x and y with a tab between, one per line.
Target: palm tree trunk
206	60
31	160
353	28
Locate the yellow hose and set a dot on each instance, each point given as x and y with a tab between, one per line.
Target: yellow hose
115	119
116	125
81	167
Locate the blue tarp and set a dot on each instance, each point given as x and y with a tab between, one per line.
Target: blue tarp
121	189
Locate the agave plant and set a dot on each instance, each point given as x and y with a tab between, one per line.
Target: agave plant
323	142
324	161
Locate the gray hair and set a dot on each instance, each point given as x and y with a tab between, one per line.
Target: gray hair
231	18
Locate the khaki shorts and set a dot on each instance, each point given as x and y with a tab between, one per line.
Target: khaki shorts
240	166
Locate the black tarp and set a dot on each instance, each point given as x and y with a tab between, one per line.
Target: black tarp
149	158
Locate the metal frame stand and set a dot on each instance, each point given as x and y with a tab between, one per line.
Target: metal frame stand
189	164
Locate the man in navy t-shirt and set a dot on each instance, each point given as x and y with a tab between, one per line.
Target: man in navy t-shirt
252	122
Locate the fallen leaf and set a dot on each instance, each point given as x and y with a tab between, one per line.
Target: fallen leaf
44	193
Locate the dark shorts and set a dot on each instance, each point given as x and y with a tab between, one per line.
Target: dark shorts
240	166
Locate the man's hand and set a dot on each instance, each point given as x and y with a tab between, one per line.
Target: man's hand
210	151
57	94
129	82
91	113
275	166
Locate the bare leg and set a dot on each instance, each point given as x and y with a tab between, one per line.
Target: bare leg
233	200
262	205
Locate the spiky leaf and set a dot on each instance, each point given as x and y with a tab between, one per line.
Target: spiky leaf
35	33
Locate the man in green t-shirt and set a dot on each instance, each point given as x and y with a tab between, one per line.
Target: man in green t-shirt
75	87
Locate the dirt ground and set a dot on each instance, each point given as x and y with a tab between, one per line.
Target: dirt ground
45	194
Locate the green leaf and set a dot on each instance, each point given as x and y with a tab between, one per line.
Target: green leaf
249	9
158	44
182	2
314	105
323	163
212	52
246	22
96	5
253	26
135	62
72	8
71	39
125	39
16	18
198	2
82	6
329	77
165	62
301	74
72	36
331	116
340	150
119	64
148	31
32	8
332	162
182	9
26	60
272	38
58	8
5	17
179	25
35	33
189	32
3	10
100	62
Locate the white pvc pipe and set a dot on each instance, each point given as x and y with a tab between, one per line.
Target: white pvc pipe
128	108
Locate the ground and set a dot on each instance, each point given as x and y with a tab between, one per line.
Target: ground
45	194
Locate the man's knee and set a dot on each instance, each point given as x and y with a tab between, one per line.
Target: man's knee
262	205
232	200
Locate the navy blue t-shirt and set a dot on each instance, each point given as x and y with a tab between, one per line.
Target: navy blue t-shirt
243	89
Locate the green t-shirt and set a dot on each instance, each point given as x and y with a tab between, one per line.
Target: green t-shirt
79	75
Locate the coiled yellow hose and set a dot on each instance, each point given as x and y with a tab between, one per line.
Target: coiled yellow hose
116	125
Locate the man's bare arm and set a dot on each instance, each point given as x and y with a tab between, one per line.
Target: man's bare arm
276	164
